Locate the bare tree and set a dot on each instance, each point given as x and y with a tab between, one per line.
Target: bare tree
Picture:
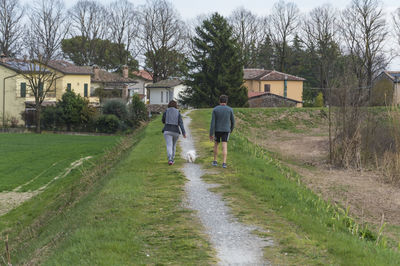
283	23
162	36
40	82
11	30
396	22
364	31
320	27
123	24
48	26
89	21
247	29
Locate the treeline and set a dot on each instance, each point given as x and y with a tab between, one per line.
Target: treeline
319	45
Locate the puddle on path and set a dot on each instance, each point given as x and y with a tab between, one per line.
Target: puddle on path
233	241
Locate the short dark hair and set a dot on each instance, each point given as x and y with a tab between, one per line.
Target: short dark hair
223	99
172	104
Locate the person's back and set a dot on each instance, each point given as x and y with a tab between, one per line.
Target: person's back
222	124
223	119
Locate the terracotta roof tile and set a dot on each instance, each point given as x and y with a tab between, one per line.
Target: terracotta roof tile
68	68
109	77
254	94
265	75
143	74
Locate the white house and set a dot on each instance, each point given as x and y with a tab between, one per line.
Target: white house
164	91
143	78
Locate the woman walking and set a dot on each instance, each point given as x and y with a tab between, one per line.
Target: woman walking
173	122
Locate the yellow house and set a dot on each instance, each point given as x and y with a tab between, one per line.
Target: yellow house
386	89
270	82
16	97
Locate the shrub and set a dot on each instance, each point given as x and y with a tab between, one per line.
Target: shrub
51	118
107	123
116	107
319	100
137	111
75	110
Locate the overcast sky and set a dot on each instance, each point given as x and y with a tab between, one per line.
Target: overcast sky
190	9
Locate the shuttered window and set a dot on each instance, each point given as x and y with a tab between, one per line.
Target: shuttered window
162	96
23	89
68	86
85	90
267	87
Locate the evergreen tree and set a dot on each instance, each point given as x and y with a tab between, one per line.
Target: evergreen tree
216	67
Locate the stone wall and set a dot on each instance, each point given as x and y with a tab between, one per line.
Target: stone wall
270	100
156	108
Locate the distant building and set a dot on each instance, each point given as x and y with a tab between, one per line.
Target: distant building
143	78
386	89
160	93
16	96
271	82
112	81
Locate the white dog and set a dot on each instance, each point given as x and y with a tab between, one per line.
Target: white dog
191	156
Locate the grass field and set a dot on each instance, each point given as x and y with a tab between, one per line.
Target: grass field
27	157
306	229
130	215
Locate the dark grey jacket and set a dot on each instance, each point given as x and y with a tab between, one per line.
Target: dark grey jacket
173	121
222	119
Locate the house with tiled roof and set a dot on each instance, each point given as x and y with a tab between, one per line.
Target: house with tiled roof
271	83
386	89
143	78
160	93
112	81
16	95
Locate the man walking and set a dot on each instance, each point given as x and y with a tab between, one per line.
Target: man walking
222	124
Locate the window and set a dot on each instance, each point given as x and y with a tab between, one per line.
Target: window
267	88
162	96
68	86
23	89
167	96
85	90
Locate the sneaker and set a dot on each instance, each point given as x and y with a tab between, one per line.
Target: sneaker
214	163
224	165
170	162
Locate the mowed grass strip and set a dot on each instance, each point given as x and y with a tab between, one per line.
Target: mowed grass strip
306	230
43	157
134	216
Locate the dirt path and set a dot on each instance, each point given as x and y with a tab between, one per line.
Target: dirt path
234	242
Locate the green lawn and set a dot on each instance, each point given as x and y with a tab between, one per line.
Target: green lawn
42	157
130	215
306	229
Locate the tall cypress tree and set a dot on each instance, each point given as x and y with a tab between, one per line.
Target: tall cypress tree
216	66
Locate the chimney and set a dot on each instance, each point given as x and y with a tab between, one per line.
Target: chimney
96	71
125	71
125	92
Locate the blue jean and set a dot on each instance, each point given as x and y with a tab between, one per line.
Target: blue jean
171	138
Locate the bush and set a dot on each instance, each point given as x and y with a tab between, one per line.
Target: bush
75	110
117	108
107	124
137	111
51	118
319	100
